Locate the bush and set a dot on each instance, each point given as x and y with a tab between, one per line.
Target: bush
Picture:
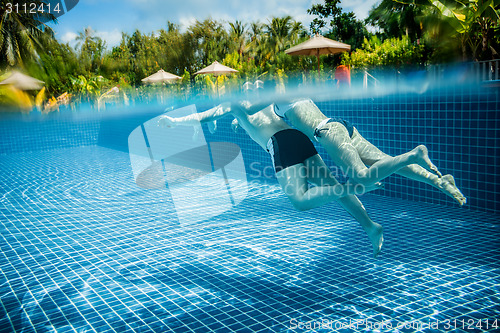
396	52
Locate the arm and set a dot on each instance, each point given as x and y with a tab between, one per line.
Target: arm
252	108
196	118
255	107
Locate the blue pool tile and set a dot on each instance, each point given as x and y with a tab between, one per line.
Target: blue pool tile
83	247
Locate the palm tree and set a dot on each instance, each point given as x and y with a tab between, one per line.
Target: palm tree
85	37
239	36
281	32
256	29
256	45
397	18
91	48
19	32
296	31
277	32
210	39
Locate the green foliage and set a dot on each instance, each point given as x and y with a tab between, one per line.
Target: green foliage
395	19
472	25
54	65
278	34
411	32
19	33
245	66
87	86
396	52
210	40
329	9
344	27
91	50
238	35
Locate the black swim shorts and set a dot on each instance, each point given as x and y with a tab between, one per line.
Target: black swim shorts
289	147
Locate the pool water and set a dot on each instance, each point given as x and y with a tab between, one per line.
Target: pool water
84	249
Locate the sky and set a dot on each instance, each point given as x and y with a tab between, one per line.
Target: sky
109	18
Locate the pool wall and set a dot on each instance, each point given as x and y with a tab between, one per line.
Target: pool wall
459	125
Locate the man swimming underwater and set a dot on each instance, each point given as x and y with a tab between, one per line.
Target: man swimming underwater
362	161
294	157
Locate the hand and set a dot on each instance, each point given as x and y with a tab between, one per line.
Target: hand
166	121
196	133
235	125
212	126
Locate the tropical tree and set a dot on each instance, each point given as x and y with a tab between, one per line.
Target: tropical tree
348	29
210	40
473	23
238	36
329	9
344	27
396	19
54	64
19	32
396	52
144	55
281	33
176	50
256	29
91	49
117	64
256	44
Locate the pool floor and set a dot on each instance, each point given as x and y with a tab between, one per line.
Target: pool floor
84	249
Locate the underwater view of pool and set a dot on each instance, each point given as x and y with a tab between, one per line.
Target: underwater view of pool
84	248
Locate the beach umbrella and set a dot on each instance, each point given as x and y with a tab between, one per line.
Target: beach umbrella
23	82
216	69
317	46
161	76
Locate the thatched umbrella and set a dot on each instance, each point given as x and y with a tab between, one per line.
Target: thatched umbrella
216	69
317	46
23	82
161	76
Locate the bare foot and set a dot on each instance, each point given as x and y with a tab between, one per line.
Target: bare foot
422	159
447	185
376	236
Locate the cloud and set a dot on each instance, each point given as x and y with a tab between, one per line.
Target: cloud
185	22
183	12
359	7
112	38
111	17
69	37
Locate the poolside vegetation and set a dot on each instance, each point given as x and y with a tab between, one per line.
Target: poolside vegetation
400	34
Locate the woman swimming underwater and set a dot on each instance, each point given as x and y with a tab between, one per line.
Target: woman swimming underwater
362	161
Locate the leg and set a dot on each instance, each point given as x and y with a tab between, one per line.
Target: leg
374	230
294	182
370	154
339	146
320	175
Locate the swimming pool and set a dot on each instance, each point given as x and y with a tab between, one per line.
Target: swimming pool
85	249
